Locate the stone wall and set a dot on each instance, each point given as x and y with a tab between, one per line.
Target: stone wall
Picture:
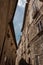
35	37
32	34
9	50
6	12
7	40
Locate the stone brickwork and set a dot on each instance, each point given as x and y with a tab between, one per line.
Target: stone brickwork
32	34
23	44
8	45
6	12
36	36
9	51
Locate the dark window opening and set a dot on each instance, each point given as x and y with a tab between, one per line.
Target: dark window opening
35	15
11	44
29	61
40	27
28	51
23	62
8	35
28	46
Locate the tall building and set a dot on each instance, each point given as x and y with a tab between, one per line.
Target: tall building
31	43
8	45
36	33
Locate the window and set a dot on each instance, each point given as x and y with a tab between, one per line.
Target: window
28	46
8	35
40	27
11	44
29	60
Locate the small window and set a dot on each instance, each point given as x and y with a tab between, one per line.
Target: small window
40	27
28	46
8	35
29	61
28	51
11	44
35	15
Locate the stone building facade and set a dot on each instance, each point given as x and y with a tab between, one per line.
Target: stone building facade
31	42
9	50
23	50
36	36
8	45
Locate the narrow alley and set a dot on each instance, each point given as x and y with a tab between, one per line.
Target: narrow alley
29	49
